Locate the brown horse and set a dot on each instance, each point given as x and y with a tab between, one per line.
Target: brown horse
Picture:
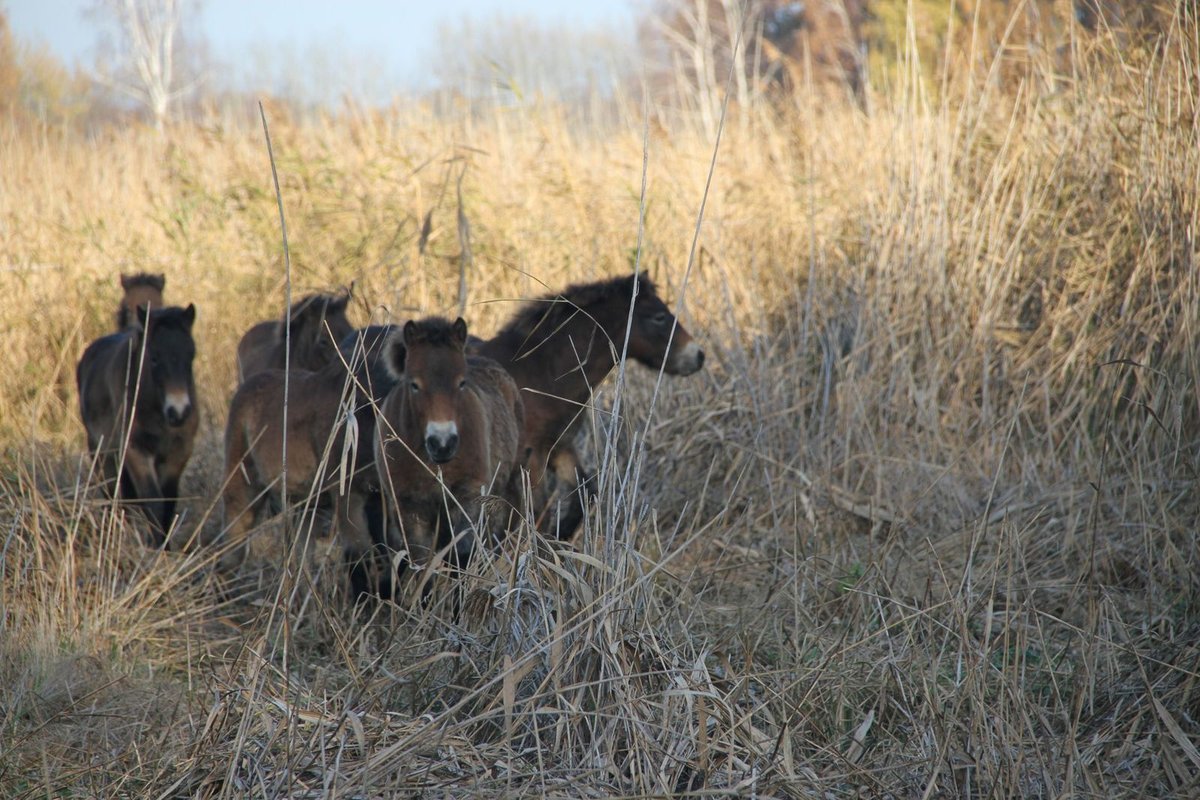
318	323
559	348
320	416
137	400
448	433
141	289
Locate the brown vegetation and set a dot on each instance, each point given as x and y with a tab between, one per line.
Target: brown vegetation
924	525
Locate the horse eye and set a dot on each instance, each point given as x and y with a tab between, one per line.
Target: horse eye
661	318
416	387
462	384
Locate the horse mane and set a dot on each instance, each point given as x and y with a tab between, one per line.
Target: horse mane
432	331
168	317
156	281
552	310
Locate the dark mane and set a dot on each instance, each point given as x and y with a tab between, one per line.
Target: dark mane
552	310
171	317
307	309
435	331
154	281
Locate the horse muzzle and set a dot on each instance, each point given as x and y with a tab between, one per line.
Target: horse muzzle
441	441
177	408
685	361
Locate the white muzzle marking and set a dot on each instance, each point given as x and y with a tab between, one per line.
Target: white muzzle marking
177	404
440	431
689	359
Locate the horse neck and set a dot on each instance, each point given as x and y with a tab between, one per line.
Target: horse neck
567	359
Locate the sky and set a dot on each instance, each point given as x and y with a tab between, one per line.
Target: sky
391	41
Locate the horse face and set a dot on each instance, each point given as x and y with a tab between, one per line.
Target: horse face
167	369
143	296
141	290
650	337
436	378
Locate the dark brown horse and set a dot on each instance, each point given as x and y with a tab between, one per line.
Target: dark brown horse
138	403
321	462
448	433
141	289
559	348
318	323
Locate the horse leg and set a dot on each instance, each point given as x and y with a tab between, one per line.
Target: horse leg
460	528
144	485
578	487
170	472
242	501
362	555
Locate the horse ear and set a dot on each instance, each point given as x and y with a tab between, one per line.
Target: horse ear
338	304
125	281
189	315
459	332
641	281
394	352
410	332
158	281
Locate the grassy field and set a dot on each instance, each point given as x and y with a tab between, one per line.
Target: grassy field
924	526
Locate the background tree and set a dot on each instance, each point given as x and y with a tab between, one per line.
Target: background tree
10	73
144	60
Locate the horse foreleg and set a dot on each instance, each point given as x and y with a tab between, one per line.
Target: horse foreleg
361	553
241	500
577	486
170	471
140	479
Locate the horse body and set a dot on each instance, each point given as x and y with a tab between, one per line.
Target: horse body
559	348
320	413
449	434
137	402
318	323
141	289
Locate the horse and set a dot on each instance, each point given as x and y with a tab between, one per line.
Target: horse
141	289
448	433
560	347
318	323
137	399
362	350
322	442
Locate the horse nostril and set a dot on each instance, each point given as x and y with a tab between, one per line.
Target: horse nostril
440	451
699	359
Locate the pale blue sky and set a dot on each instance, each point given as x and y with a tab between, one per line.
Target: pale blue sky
388	40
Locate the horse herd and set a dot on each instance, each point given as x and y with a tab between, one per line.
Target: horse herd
416	436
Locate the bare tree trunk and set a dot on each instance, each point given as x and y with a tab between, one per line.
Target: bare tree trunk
150	29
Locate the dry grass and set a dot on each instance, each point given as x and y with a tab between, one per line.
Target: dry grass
924	526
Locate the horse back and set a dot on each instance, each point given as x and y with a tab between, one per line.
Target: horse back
256	350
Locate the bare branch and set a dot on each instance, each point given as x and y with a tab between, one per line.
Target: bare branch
149	31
